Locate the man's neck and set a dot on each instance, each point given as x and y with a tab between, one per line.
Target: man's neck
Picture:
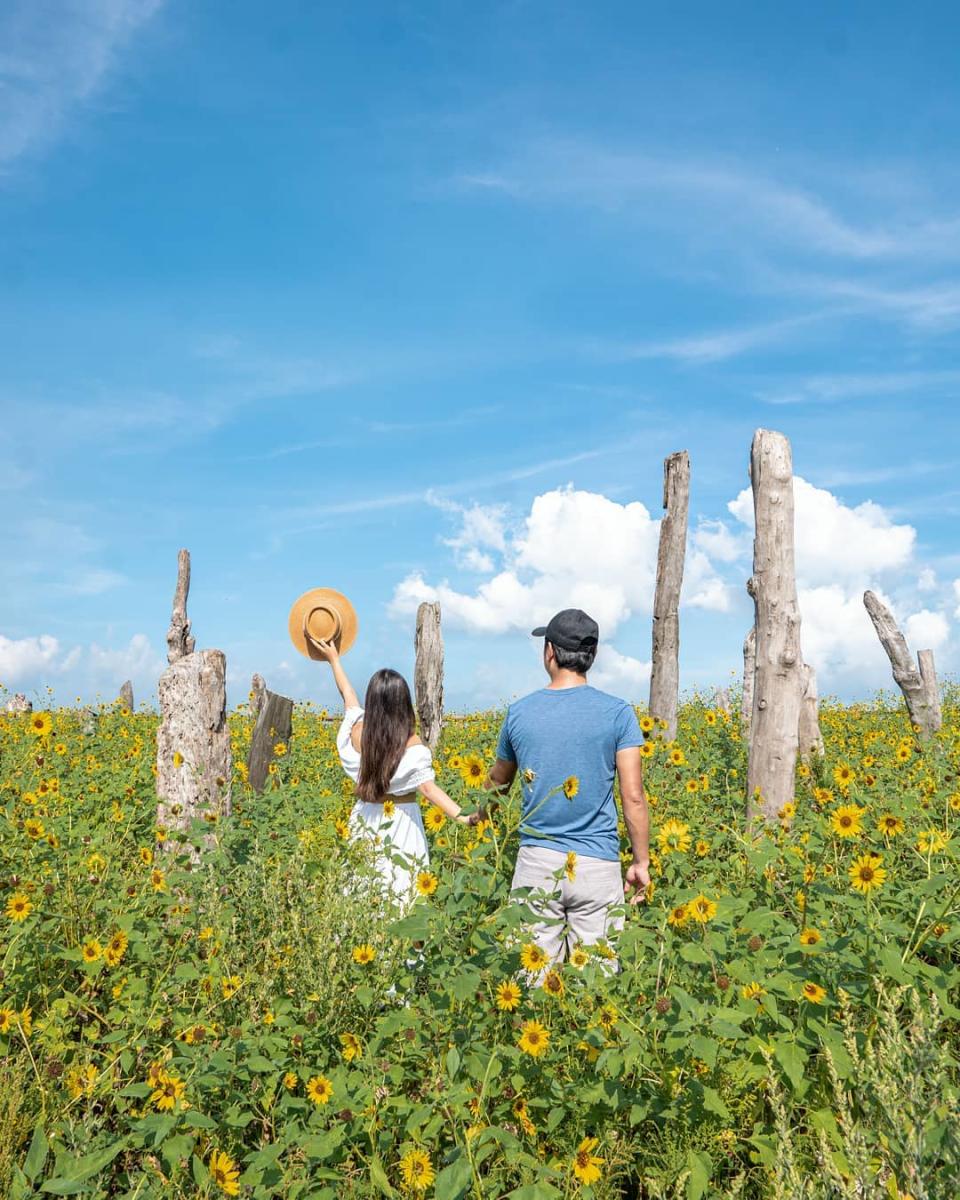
566	679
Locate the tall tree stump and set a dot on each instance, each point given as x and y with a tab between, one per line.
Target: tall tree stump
194	763
18	703
665	666
917	683
126	695
274	724
721	701
194	758
811	739
749	677
774	733
258	690
428	673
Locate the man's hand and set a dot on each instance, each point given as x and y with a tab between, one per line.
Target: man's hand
637	881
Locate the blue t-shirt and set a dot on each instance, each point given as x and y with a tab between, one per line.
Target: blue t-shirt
564	734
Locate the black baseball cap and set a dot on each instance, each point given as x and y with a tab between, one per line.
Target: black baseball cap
571	629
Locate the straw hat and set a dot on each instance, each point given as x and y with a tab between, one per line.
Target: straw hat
322	615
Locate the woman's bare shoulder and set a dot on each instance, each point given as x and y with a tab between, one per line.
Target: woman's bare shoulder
413	740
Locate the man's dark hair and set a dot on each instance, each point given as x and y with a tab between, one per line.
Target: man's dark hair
579	661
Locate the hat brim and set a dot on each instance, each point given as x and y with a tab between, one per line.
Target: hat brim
538	632
322	598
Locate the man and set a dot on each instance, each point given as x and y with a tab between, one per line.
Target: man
568	741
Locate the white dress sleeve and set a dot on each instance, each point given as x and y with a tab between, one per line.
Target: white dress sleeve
349	757
414	770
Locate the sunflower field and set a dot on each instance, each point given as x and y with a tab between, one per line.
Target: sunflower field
778	1020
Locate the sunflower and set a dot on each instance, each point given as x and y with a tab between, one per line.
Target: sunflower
8	1018
146	855
533	1038
788	812
508	995
753	991
646	724
647	750
434	819
81	1081
607	1017
903	753
586	1165
320	1089
364	955
290	1081
553	984
809	937
40	724
701	909
890	826
579	958
570	865
342	828
115	949
932	841
822	796
168	1092
224	1172
19	907
33	829
866	874
846	820
426	883
389	808
158	879
678	916
844	776
91	951
710	717
692	786
814	992
350	1046
417	1170
473	770
230	985
673	837
677	757
533	957
571	785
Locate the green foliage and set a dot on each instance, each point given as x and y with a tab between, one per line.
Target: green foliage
777	1027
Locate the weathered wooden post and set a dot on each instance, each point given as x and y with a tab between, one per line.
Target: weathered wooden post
665	668
126	695
258	689
749	675
274	724
774	734
721	700
917	683
194	764
18	703
428	673
811	739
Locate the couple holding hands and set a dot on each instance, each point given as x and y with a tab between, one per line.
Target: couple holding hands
567	741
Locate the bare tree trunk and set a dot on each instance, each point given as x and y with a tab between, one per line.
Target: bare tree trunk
179	641
665	667
18	703
721	701
126	695
428	673
194	764
258	690
918	683
749	675
811	739
774	736
274	725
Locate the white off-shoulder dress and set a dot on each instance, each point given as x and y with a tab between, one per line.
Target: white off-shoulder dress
401	841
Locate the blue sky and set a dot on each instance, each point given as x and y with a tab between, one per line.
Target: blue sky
413	300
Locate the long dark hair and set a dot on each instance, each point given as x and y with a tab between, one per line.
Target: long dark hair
388	722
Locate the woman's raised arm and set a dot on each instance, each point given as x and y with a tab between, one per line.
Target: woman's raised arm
331	655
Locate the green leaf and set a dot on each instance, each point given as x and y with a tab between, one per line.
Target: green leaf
20	1188
700	1166
260	1064
198	1120
453	1061
541	1190
713	1103
76	1174
378	1176
692	953
453	1180
792	1059
36	1155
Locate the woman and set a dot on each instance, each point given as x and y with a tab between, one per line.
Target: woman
380	751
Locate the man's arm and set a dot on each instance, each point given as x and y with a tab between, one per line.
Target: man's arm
634	801
501	776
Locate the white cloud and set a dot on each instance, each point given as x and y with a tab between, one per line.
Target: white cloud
927	580
620	674
715	539
834	541
30	664
926	630
23	658
956	592
55	57
482	529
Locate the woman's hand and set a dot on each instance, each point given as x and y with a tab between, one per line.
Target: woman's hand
327	650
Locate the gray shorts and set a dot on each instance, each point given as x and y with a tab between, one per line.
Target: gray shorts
572	913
